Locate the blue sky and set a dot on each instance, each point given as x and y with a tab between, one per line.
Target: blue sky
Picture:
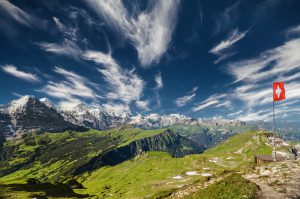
203	59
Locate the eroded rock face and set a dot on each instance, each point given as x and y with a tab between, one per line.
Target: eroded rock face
277	179
28	114
166	141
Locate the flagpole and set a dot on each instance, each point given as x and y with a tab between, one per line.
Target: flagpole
274	145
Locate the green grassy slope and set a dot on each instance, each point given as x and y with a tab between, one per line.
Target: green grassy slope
151	174
157	173
232	186
55	156
210	134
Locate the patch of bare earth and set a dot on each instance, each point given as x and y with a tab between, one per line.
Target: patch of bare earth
278	180
190	189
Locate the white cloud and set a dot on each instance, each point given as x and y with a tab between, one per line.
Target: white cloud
69	32
16	13
216	100
254	96
142	104
69	89
12	70
124	85
205	104
159	85
293	30
261	115
182	101
117	109
259	73
59	25
150	31
224	56
67	48
280	60
234	37
159	82
227	18
69	104
256	75
69	45
224	46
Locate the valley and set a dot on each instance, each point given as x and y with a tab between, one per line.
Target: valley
153	156
149	173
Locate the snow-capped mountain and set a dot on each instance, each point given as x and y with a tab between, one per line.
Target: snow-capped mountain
47	102
157	121
94	117
30	114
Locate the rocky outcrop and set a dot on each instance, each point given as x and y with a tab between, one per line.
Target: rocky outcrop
94	117
167	141
28	114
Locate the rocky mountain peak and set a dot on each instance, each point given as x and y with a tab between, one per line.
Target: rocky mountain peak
21	103
47	102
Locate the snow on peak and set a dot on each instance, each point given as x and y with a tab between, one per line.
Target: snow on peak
19	103
47	102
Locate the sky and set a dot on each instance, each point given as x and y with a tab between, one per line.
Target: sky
200	58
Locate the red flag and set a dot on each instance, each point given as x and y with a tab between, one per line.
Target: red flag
278	91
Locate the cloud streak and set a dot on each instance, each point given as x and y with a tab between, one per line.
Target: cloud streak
124	85
14	71
255	76
222	49
150	31
158	81
182	101
70	89
281	60
117	109
216	100
67	48
16	13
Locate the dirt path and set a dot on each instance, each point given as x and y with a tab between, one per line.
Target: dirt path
278	180
190	189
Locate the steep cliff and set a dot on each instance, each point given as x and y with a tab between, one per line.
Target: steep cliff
166	141
28	114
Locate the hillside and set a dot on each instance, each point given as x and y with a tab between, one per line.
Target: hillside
151	174
132	179
209	132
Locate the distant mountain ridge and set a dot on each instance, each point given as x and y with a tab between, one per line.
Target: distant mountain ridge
31	114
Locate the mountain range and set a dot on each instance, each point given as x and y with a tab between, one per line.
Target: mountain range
32	114
49	152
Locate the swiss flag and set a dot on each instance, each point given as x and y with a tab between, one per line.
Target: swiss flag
278	91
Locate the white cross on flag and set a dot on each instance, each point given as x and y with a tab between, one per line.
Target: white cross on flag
278	91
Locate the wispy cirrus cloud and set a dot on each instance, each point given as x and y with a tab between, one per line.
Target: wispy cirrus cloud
15	13
117	109
227	18
182	101
158	87
158	81
150	31
222	49
14	71
216	100
255	77
144	105
295	30
124	85
67	48
280	60
69	90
